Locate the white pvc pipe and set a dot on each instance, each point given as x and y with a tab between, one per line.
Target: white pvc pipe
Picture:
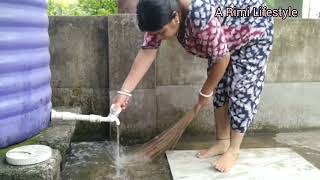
68	116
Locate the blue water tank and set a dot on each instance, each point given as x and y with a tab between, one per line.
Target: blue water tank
25	91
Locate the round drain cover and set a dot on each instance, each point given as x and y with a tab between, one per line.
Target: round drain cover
28	155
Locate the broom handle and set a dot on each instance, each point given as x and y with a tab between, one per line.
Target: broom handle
197	109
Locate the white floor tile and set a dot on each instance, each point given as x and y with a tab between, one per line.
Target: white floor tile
253	164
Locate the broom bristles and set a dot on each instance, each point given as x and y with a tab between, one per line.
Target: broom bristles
168	139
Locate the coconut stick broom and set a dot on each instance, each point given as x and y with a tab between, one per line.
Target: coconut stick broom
166	140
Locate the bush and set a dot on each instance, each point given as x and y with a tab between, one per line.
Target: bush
82	7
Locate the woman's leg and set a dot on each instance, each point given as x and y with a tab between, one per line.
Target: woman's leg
222	124
230	157
221	117
246	78
244	96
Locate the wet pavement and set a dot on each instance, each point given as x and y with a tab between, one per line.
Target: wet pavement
94	160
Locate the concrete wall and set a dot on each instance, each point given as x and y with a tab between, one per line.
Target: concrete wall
79	64
89	52
291	97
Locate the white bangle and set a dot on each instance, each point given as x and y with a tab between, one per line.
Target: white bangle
204	95
124	93
125	90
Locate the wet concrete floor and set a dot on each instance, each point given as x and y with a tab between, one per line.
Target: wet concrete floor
94	160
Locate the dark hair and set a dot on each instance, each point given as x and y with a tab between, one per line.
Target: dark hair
152	15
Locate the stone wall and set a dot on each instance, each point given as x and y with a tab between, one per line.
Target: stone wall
92	56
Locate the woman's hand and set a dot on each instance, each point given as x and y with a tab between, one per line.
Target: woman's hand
214	76
140	66
204	101
121	101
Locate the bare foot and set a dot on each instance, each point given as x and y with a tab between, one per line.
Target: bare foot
219	148
228	160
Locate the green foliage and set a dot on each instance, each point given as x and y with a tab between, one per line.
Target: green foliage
82	7
275	4
271	3
56	8
99	7
285	3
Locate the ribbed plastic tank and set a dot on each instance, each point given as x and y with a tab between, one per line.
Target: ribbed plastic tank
25	91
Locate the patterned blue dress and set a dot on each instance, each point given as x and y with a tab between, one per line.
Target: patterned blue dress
247	39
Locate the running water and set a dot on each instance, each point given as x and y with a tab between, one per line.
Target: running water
118	167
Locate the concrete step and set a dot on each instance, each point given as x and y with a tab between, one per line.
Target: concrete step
58	137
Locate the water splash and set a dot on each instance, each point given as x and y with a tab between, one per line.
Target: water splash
101	160
95	160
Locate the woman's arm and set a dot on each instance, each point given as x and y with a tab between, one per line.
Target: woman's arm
215	75
140	66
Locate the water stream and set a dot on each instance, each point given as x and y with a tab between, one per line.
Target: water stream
118	166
